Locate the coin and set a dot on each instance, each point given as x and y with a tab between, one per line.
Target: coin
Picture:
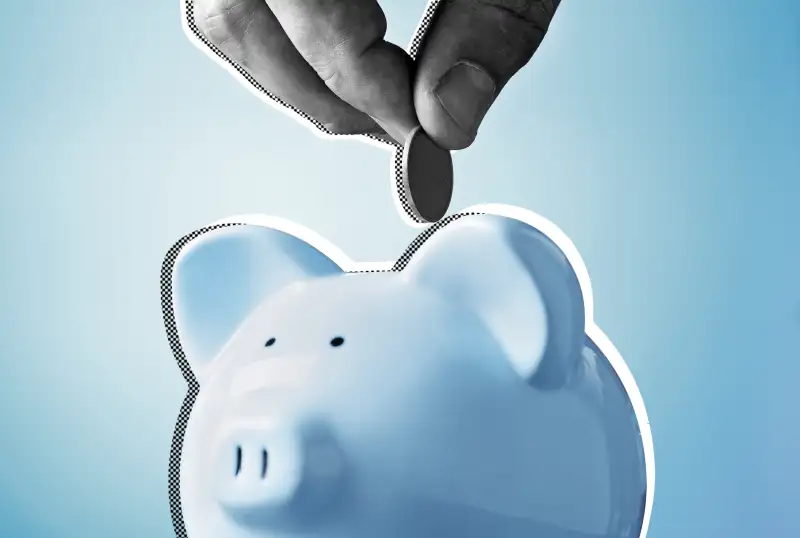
427	177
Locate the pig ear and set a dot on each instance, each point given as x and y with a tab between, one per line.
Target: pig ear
519	283
221	276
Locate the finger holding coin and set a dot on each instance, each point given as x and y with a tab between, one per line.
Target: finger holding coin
344	42
329	60
249	34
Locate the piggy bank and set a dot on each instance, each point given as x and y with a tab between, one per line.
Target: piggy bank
456	397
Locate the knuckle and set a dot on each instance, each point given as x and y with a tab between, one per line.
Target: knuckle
342	39
333	57
335	80
323	64
517	28
358	38
224	22
334	61
533	16
333	77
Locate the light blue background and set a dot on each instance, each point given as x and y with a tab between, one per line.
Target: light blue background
660	136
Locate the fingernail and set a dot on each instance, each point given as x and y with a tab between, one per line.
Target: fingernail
466	93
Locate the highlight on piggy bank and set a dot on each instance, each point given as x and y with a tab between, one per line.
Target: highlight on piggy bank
454	394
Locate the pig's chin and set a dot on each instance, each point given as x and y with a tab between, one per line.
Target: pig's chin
401	515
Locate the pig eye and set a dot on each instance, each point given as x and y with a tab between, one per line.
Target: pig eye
269	342
338	341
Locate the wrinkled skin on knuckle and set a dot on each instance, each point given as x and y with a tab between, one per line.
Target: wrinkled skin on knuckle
360	38
341	54
536	13
521	26
334	78
226	23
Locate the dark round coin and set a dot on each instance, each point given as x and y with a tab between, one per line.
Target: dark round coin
427	177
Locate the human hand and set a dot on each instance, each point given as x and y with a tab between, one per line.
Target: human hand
329	59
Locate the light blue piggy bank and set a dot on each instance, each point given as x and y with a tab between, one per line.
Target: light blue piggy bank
459	397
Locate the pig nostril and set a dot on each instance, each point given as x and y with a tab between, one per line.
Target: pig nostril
264	463
238	461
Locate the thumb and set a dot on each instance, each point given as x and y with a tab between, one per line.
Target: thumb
470	51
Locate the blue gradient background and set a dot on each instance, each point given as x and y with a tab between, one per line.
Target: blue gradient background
662	137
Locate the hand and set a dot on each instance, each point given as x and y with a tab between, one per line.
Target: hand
329	59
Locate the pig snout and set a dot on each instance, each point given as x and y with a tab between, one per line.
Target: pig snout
268	473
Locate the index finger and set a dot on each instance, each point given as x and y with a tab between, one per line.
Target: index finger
343	40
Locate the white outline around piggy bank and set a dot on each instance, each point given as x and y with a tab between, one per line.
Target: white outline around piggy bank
463	392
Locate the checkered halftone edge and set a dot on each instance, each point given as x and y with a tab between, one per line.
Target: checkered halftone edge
194	387
397	152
